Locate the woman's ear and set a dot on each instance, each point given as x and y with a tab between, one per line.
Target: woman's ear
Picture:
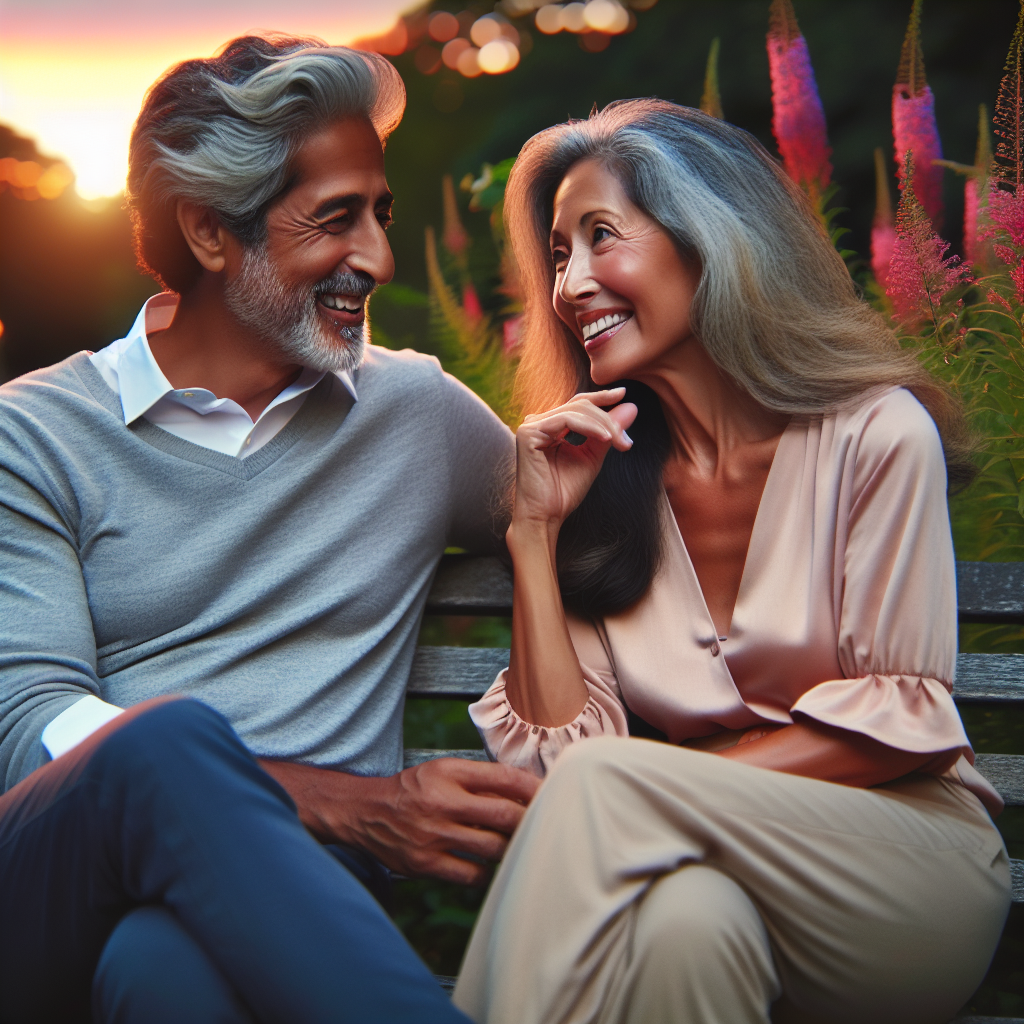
205	234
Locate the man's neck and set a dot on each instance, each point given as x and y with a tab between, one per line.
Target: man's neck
205	347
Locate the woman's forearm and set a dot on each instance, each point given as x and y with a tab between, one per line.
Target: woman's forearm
544	683
823	752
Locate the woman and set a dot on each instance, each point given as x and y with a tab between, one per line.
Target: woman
765	576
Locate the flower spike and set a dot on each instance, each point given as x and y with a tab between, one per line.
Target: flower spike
920	274
883	232
799	119
1009	117
711	100
913	120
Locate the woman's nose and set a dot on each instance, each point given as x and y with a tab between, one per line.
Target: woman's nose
578	283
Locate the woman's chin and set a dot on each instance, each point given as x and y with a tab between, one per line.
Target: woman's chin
604	372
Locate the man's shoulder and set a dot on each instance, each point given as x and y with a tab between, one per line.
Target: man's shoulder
52	386
385	370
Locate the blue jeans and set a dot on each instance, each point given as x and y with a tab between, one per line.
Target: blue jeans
156	873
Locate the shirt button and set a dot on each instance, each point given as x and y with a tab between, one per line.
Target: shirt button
248	441
715	649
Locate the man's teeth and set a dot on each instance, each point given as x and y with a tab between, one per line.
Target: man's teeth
345	303
590	330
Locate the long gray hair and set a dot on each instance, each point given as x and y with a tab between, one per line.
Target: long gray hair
775	309
221	132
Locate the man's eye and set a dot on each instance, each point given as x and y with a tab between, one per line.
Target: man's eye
336	224
385	219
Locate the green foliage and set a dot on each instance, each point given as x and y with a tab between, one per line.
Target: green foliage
975	342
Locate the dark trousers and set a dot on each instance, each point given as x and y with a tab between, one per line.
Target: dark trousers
156	873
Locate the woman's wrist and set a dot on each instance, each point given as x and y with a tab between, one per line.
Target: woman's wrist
527	536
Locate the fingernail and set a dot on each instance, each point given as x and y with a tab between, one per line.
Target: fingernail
627	439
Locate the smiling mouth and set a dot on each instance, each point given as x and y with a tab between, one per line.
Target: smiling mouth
351	304
606	323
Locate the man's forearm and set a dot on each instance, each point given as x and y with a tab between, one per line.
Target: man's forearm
331	804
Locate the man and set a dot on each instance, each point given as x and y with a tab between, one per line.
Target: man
241	503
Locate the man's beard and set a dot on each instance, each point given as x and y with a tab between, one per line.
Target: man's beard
288	320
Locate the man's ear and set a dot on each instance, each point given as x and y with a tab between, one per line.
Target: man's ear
206	235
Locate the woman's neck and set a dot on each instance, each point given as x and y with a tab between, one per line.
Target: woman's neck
708	416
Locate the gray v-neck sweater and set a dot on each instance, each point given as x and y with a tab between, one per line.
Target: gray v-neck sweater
285	589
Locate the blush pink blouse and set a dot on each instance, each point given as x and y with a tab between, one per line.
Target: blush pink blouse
846	611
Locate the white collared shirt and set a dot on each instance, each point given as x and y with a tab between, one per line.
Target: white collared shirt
193	414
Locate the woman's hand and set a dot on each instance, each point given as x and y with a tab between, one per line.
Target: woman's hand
553	475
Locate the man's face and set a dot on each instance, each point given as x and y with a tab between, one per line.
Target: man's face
305	289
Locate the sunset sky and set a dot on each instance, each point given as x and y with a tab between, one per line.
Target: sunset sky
73	73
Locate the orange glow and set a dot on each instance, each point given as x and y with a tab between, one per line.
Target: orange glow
74	78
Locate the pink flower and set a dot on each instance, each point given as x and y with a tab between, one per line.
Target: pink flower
913	121
971	220
799	119
883	239
471	302
510	331
455	238
883	234
1004	227
920	274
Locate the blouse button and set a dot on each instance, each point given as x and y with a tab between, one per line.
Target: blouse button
715	649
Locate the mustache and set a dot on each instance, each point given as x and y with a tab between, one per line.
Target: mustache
349	283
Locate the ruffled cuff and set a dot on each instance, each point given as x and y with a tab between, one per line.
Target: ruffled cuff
907	712
510	740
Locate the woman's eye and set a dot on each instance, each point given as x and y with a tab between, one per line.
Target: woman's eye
559	257
600	234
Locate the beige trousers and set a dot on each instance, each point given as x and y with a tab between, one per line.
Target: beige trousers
649	883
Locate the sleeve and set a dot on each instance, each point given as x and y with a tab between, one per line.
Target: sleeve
482	460
47	644
897	609
511	740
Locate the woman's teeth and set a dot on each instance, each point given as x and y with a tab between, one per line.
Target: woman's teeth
612	320
345	303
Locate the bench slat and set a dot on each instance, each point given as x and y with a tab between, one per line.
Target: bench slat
466	672
990	591
455	672
471	585
475	585
1006	773
981	678
417	755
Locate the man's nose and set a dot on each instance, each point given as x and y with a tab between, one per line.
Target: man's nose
372	254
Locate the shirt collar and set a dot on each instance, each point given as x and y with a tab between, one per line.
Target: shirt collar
142	383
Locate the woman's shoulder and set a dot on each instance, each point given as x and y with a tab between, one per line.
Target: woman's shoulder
887	418
884	428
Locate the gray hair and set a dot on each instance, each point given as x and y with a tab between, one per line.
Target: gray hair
221	132
775	309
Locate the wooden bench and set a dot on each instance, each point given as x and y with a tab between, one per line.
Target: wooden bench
986	593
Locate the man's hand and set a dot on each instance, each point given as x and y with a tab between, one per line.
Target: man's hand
416	821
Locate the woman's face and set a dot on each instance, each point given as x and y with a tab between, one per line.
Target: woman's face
620	284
